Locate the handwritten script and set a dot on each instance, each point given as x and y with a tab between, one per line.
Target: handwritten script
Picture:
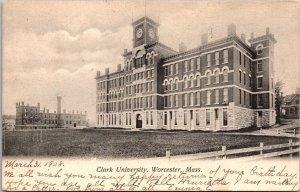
52	175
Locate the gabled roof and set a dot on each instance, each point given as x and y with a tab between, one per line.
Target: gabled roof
289	98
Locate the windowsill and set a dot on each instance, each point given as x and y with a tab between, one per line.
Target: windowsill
216	82
225	62
259	87
225	81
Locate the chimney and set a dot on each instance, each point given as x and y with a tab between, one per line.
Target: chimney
77	112
204	39
54	111
72	111
64	110
44	109
125	51
106	71
22	103
38	105
182	47
243	37
85	112
59	104
47	110
231	30
267	31
98	73
119	68
17	104
252	35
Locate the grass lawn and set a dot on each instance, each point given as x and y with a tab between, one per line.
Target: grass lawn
125	144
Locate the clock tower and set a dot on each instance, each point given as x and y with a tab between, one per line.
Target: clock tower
144	31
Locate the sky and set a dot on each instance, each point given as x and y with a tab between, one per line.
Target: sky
55	47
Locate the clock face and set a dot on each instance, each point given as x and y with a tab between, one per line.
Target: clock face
151	33
139	33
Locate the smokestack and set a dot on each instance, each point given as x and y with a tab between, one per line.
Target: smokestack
182	47
98	73
119	68
59	104
106	71
204	39
231	30
243	37
267	31
252	35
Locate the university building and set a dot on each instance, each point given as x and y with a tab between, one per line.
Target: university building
220	85
32	117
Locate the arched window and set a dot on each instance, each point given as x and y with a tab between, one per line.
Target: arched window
171	86
259	49
225	74
130	65
191	81
217	78
185	82
152	58
175	84
198	80
148	58
208	78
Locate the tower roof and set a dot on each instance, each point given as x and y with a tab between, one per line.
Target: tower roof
145	19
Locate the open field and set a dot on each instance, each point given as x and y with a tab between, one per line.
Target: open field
125	144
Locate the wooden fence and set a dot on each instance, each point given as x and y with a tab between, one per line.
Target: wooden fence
264	152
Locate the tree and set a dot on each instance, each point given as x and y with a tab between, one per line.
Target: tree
278	99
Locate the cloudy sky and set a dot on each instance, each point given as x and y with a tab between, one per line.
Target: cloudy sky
54	48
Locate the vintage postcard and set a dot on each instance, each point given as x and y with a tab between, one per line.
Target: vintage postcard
150	95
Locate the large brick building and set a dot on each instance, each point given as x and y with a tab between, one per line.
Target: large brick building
220	85
32	117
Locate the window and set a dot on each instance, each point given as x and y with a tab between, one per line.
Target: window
170	69
207	114
244	102
198	80
225	74
175	100
259	49
191	99
192	65
185	118
225	56
197	117
225	95
152	85
166	70
198	99
250	100
250	81
208	78
259	82
184	100
176	68
175	84
208	58
240	58
171	85
240	96
217	78
185	66
240	76
208	97
185	82
225	117
259	66
244	78
217	57
259	100
191	81
244	60
175	117
217	96
165	118
198	63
